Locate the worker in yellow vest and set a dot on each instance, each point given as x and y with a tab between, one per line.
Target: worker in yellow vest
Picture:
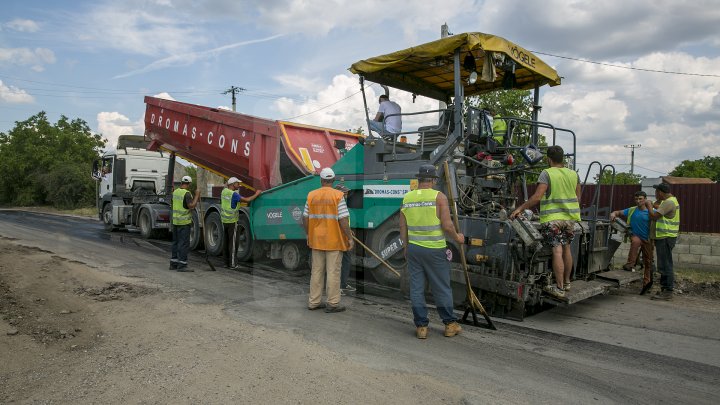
558	192
326	223
182	203
229	215
667	226
424	222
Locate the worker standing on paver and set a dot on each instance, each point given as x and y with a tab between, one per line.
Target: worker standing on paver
558	192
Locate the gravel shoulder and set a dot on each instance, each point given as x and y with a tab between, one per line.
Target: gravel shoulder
71	333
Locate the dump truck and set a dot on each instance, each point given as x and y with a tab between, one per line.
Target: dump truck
264	154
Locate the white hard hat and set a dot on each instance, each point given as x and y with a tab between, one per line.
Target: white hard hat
327	173
233	180
186	179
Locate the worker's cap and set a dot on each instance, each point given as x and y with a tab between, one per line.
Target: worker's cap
342	188
427	172
664	187
327	173
233	180
186	179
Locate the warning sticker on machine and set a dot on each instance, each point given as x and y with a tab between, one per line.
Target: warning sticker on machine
385	191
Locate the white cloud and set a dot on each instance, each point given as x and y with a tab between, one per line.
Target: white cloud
35	58
673	117
113	124
190	57
22	25
14	95
138	30
339	106
164	95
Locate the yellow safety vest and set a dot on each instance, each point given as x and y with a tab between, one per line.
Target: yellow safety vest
419	208
180	214
227	214
562	202
668	227
631	211
499	129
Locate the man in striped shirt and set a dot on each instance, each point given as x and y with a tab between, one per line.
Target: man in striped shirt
327	225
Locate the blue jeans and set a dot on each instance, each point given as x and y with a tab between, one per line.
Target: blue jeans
429	265
345	269
664	248
180	245
378	127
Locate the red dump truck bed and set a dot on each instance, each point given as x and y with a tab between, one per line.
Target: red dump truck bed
262	153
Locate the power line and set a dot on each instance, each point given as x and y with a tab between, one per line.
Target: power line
320	109
627	67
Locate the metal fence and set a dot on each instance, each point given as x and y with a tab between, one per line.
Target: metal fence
698	203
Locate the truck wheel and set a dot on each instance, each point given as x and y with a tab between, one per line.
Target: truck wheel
145	225
244	241
195	237
214	236
378	239
293	256
107	218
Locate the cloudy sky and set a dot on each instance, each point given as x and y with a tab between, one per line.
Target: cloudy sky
634	72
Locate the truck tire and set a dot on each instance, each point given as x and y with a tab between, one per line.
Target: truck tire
107	218
214	235
294	256
378	239
245	242
145	225
196	240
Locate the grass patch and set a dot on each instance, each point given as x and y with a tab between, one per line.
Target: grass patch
90	212
698	276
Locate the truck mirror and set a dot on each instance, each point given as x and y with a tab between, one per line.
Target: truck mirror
95	170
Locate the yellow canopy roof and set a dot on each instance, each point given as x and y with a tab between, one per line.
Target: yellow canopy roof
428	69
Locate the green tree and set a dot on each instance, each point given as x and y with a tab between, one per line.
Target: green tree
709	167
507	103
43	163
620	178
358	130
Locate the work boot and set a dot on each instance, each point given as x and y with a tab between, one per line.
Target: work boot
555	291
664	295
452	329
331	310
421	332
184	270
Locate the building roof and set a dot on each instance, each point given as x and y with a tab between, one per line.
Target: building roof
686	180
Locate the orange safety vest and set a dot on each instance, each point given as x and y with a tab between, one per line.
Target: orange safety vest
324	232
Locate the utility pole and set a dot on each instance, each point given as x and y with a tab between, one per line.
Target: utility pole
234	91
632	156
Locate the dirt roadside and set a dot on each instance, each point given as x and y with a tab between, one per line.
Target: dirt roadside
70	333
73	333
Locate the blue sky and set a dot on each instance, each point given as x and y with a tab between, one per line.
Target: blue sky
96	60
